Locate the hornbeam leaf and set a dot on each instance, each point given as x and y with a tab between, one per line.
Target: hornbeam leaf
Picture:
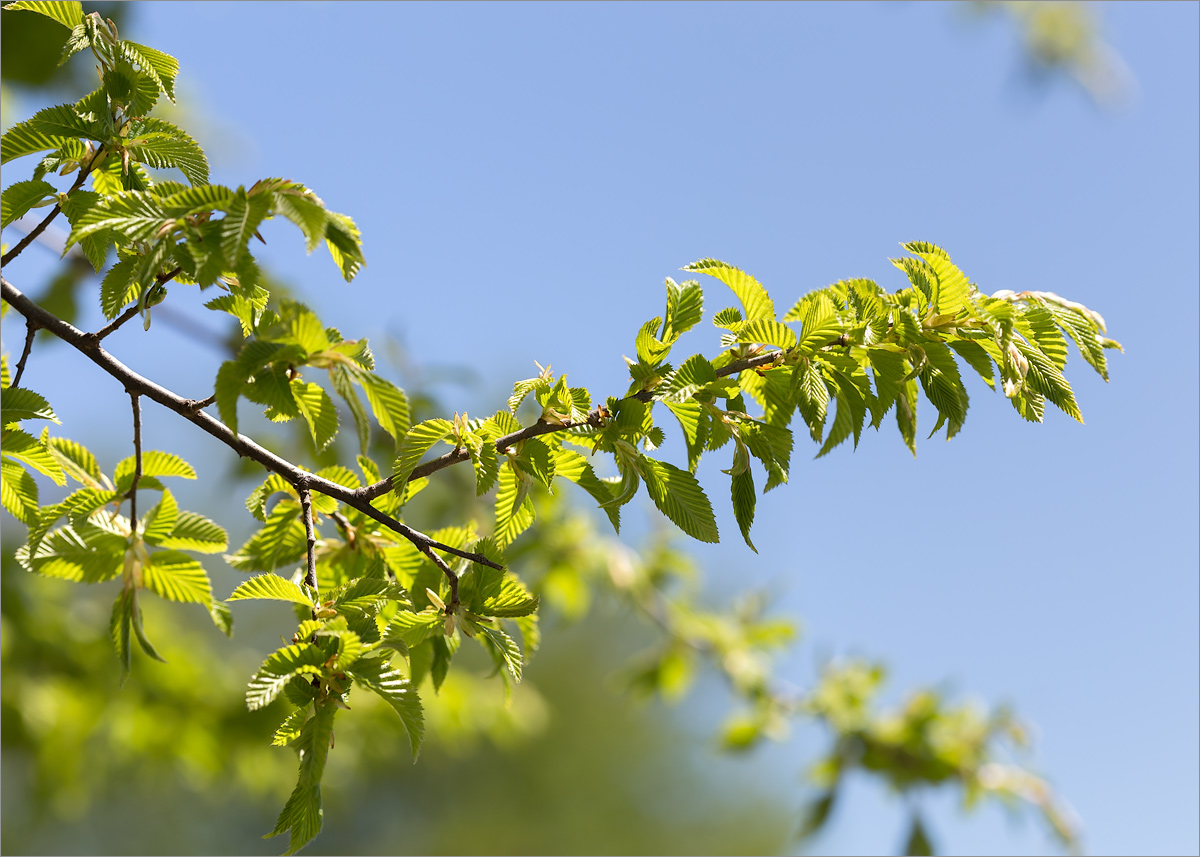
271	587
954	291
388	403
767	331
749	291
21	403
195	533
161	68
18	491
69	13
119	627
76	460
413	447
411	629
345	244
278	669
318	411
504	648
514	509
159	144
679	496
20	197
574	467
154	463
61	120
282	541
685	308
302	813
89	556
240	223
119	287
24	139
693	375
742	490
382	678
177	577
24	447
160	520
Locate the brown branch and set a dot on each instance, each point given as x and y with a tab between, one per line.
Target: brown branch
87	345
137	460
160	279
310	577
595	419
31	328
32	235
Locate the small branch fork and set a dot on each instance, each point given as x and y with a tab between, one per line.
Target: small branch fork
31	328
89	346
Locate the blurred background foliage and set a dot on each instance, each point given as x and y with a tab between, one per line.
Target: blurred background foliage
174	763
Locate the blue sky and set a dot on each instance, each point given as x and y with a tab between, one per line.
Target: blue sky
525	176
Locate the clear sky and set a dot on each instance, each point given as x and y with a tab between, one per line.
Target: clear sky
525	176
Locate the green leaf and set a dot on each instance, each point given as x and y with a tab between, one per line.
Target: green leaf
953	293
154	463
140	632
574	467
318	411
514	509
160	520
21	403
136	216
20	197
749	291
744	499
504	648
289	729
297	659
685	308
119	626
414	446
695	422
649	349
302	813
345	244
119	287
177	577
159	144
282	541
238	227
19	445
679	496
25	139
271	587
944	388
76	460
62	120
382	678
89	555
161	68
512	600
918	840
388	403
69	13
18	492
410	629
521	389
693	375
767	331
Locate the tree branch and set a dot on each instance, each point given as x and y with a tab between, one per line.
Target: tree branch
310	577
31	328
370	492
32	235
137	460
161	279
89	347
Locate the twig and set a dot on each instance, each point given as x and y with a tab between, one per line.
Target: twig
453	601
310	577
137	460
161	279
31	329
370	492
87	345
32	235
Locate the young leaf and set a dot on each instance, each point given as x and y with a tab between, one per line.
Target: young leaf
381	678
302	813
318	411
750	292
414	446
177	577
21	403
69	13
271	587
20	197
278	669
679	496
